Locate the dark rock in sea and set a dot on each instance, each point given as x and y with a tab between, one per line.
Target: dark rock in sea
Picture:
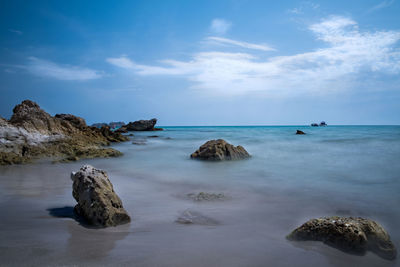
121	130
142	125
153	136
322	123
194	217
32	133
352	235
217	150
204	196
97	201
300	132
314	124
139	142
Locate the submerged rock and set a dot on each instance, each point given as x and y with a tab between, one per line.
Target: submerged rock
97	201
300	132
352	235
142	125
217	150
194	217
204	196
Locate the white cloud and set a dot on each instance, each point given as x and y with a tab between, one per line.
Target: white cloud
347	54
45	68
381	5
220	26
122	62
262	47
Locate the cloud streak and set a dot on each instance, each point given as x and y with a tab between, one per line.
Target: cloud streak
221	40
48	69
347	54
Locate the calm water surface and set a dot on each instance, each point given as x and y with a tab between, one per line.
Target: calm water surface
334	170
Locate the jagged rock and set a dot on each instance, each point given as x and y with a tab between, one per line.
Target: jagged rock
112	136
322	123
217	150
314	124
99	125
97	201
142	125
32	133
116	124
300	132
204	196
352	235
194	217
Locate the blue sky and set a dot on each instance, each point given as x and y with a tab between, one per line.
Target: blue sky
204	62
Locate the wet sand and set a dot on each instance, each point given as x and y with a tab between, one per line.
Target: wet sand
37	227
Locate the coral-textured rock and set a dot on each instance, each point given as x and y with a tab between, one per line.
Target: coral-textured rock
97	201
353	235
217	150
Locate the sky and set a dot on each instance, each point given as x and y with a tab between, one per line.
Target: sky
204	62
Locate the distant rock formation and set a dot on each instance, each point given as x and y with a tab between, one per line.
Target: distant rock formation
352	235
141	125
322	123
217	150
99	125
113	125
97	201
300	132
32	133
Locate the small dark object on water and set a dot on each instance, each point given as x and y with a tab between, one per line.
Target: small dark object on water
300	132
314	124
153	136
322	123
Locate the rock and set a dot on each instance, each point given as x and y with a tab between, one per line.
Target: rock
153	136
97	201
76	121
99	125
32	133
203	196
116	124
193	217
300	132
139	142
314	124
217	150
352	235
121	130
112	136
142	125
322	123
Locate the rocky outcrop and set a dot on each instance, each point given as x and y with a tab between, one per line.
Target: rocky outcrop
352	235
141	125
217	150
300	132
97	201
32	133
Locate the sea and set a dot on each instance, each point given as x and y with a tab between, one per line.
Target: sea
289	179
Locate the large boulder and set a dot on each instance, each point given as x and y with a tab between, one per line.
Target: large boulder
142	125
97	201
217	150
352	235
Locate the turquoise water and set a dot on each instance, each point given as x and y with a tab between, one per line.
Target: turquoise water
334	170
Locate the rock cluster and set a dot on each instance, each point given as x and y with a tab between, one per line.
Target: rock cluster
218	150
97	201
204	196
353	235
194	217
32	133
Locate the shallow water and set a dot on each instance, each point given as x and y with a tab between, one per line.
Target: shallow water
334	170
